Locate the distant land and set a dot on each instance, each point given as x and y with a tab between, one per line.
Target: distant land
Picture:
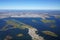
29	13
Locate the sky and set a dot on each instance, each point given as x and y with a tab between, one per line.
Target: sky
30	4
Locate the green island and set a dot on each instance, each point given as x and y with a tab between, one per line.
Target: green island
34	21
48	21
19	35
50	33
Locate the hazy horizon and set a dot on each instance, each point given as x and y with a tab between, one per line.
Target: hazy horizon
29	4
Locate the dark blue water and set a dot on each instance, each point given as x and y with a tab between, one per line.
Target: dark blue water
39	25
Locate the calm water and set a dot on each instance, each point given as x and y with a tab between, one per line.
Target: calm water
40	26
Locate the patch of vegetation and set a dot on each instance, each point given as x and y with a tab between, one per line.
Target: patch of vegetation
48	21
50	33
